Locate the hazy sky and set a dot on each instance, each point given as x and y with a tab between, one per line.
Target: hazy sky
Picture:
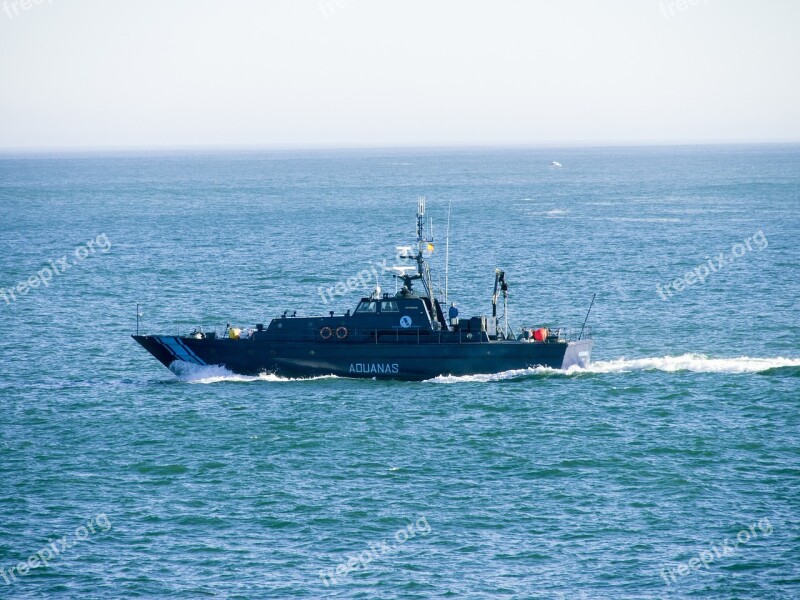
120	73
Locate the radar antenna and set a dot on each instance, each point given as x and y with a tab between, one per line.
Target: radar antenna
424	244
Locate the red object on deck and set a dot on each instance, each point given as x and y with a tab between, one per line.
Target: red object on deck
540	334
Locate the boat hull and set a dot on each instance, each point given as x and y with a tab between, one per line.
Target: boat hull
368	360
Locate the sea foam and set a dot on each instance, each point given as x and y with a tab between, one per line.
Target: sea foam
697	363
191	373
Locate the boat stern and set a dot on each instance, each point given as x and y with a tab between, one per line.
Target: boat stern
578	354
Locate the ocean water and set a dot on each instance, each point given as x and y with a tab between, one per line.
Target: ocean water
668	469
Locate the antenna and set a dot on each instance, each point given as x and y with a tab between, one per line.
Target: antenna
420	223
587	315
505	312
447	251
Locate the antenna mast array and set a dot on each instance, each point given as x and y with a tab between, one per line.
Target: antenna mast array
447	252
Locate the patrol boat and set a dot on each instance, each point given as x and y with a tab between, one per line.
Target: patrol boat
404	335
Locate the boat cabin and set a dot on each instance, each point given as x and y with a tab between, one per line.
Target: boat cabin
401	310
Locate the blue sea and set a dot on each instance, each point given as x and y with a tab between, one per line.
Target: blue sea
670	468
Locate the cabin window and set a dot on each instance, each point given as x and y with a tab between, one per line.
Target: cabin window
367	307
389	306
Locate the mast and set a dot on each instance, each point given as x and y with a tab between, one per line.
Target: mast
424	243
447	252
587	315
423	270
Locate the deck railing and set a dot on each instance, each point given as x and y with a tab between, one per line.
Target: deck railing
411	335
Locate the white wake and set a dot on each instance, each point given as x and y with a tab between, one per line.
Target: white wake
192	373
696	363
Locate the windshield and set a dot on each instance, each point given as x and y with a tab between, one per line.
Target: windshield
367	307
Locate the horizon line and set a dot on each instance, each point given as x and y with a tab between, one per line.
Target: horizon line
588	144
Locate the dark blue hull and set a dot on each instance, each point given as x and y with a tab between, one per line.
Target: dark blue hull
381	360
